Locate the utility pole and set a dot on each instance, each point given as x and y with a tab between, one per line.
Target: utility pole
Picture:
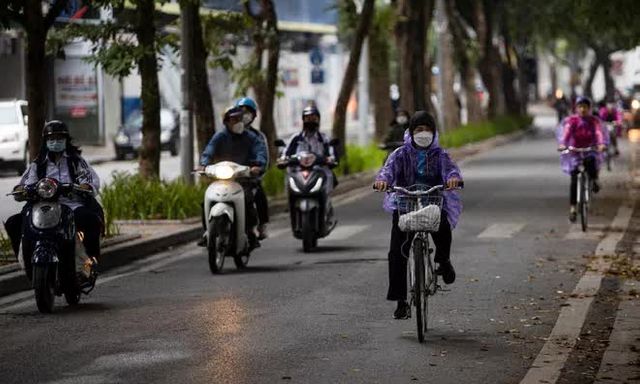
186	114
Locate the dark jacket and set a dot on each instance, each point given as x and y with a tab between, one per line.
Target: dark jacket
243	149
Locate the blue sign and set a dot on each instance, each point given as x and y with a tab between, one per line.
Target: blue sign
317	75
316	56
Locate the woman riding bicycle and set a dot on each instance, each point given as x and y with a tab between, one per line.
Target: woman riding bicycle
581	130
420	160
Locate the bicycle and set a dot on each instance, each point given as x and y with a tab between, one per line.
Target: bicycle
419	208
610	153
584	184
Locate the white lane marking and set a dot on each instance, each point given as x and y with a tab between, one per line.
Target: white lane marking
150	265
345	232
555	352
594	232
501	231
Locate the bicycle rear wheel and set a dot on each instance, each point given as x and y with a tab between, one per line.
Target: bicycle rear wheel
420	293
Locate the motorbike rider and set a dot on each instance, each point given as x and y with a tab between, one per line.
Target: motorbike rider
397	128
580	131
61	160
241	146
420	160
250	111
561	105
610	114
314	141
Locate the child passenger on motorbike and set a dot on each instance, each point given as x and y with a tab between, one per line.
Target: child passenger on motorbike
420	160
581	130
250	110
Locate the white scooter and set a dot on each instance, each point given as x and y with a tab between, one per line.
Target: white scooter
224	213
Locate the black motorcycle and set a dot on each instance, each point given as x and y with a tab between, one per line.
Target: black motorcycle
52	251
310	207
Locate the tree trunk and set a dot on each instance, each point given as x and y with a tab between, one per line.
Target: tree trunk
266	36
36	73
450	106
412	26
267	123
467	72
380	80
593	69
474	108
511	96
490	62
523	85
149	162
351	73
609	83
202	101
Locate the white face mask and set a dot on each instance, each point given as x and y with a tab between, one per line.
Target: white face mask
402	120
247	118
238	127
423	139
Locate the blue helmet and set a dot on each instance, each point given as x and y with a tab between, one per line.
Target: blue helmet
247	102
583	100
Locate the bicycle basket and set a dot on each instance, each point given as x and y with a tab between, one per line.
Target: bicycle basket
419	213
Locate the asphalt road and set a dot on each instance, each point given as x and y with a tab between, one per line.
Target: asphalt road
322	317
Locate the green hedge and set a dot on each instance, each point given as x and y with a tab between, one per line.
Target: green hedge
474	132
130	197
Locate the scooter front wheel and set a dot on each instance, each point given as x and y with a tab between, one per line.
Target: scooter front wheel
308	235
44	287
216	253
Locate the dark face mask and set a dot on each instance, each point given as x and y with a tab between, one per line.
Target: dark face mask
310	126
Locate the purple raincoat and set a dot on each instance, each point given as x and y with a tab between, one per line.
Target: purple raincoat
400	170
580	132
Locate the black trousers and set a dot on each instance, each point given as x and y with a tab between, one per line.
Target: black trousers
592	171
262	205
87	221
399	252
90	224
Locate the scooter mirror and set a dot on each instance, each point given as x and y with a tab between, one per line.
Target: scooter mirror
334	142
279	143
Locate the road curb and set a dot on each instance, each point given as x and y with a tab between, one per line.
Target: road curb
14	280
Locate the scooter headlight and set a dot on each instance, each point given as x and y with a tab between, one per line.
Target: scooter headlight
293	186
317	185
223	172
46	188
635	104
306	159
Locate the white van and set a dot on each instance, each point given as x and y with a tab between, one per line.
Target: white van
14	135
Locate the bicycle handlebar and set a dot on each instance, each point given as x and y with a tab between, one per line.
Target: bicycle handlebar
577	150
405	191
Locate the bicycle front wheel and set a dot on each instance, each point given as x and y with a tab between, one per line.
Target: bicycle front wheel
584	202
420	292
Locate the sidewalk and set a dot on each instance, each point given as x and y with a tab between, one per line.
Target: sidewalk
98	154
621	360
